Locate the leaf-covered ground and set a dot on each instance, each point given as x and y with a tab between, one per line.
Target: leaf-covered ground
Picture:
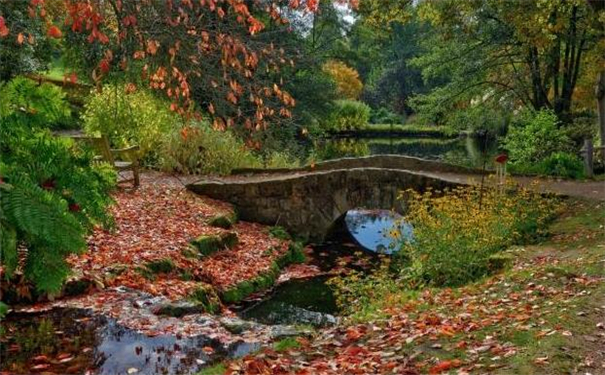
156	222
545	315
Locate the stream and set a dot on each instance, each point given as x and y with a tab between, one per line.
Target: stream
74	341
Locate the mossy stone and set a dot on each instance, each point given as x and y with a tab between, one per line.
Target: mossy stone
208	244
205	295
224	221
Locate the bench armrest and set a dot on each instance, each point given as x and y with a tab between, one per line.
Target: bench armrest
127	150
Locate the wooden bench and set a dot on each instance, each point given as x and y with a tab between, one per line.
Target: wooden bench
114	156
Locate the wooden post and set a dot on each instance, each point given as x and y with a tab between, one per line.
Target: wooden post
587	152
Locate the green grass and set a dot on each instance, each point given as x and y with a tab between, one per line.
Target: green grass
218	369
286	344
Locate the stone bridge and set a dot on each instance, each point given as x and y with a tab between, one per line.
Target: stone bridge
306	201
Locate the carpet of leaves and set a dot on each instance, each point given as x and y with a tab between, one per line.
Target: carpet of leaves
157	221
466	330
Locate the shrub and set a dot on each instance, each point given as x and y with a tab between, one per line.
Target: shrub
198	149
384	116
47	101
348	115
348	84
51	195
455	235
562	164
534	136
130	118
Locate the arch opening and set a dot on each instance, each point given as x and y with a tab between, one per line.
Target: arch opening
378	230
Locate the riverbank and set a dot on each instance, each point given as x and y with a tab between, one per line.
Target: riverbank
545	314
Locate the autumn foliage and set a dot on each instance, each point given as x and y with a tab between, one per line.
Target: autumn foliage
202	55
347	80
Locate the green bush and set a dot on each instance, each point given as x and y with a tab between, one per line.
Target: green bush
348	115
130	118
198	149
562	164
384	116
533	136
455	236
51	195
47	101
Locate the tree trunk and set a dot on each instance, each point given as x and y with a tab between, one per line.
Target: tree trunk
600	94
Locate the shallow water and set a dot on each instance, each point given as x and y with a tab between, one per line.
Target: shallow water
73	341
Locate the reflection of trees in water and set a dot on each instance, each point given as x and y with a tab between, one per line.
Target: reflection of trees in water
340	148
473	154
355	219
106	342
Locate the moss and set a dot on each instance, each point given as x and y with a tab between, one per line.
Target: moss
206	295
186	275
145	272
286	344
208	244
218	369
190	252
164	265
294	254
266	279
224	221
279	232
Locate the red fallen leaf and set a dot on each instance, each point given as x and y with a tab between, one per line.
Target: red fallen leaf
40	358
208	350
461	345
65	360
20	38
74	207
444	366
353	334
54	32
42	366
63	356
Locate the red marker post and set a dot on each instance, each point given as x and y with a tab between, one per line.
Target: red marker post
501	170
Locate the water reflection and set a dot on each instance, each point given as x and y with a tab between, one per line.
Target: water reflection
303	301
380	231
466	151
74	341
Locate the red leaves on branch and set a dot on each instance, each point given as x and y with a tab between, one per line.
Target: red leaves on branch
54	32
4	31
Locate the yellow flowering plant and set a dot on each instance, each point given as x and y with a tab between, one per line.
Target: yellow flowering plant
457	231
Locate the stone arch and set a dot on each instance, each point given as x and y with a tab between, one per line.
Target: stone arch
307	204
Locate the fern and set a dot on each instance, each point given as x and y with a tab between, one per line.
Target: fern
51	194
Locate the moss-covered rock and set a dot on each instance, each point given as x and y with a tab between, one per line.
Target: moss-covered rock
208	244
264	280
158	266
225	221
205	296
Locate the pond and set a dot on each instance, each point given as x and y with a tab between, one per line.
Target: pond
466	151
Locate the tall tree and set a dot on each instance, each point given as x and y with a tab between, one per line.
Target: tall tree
526	52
